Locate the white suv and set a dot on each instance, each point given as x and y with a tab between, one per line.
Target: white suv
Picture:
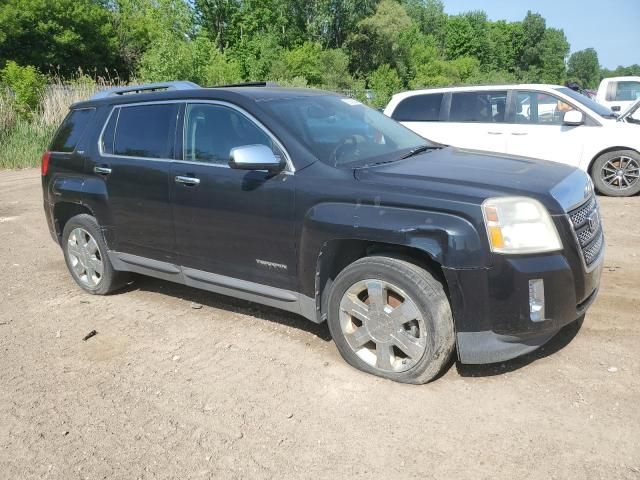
549	122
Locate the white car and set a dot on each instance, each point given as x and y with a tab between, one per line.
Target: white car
618	93
549	122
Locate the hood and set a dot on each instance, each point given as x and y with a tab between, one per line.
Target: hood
631	109
466	175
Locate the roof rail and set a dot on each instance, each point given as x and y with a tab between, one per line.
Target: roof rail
247	84
147	87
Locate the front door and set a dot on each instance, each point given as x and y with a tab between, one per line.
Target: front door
134	162
539	132
229	222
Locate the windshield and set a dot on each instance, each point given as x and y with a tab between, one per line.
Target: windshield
587	102
342	132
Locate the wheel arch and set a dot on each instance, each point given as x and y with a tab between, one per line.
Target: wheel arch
64	211
337	254
608	150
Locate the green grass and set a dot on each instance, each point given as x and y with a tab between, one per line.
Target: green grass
23	145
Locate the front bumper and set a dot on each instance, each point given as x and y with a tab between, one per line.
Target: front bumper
491	305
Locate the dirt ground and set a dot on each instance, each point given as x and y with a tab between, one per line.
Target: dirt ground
235	390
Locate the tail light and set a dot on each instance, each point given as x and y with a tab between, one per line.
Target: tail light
44	163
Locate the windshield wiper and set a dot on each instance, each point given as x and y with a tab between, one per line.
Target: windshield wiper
417	150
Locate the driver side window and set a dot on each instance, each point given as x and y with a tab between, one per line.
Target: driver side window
211	131
539	108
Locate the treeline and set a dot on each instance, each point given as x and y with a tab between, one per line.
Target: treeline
382	45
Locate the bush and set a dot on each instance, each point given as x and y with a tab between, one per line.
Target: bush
384	81
8	114
24	144
26	84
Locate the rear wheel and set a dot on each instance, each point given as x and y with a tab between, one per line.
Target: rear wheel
85	253
617	174
391	318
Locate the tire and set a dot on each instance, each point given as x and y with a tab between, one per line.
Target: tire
85	253
410	346
617	174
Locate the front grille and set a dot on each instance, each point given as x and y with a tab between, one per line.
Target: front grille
588	227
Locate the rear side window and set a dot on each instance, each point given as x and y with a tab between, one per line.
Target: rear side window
142	131
71	130
483	107
419	108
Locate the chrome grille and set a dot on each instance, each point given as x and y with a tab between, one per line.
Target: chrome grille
588	227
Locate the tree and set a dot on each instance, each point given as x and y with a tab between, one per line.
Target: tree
584	67
384	81
216	16
554	48
58	35
430	18
468	35
377	38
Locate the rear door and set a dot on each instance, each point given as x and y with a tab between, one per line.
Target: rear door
538	130
135	151
235	223
477	120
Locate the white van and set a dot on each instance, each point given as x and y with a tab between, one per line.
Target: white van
549	122
618	93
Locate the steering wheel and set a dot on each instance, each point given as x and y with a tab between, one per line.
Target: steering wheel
345	145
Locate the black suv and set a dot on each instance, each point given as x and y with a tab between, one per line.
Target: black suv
316	204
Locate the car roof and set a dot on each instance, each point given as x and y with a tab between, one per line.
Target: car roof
621	79
472	88
251	93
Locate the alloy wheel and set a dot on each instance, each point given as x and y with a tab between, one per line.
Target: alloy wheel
383	325
84	257
621	172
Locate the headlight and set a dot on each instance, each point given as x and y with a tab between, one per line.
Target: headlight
519	225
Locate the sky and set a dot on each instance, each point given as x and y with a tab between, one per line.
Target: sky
612	27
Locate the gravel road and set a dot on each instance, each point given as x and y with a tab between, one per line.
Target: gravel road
180	383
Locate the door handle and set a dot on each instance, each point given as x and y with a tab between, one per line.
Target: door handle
519	134
494	133
191	181
102	170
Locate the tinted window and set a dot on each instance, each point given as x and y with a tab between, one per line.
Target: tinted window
71	130
419	108
211	131
108	135
540	108
145	131
485	107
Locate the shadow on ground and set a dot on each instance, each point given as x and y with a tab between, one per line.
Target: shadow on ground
231	304
557	343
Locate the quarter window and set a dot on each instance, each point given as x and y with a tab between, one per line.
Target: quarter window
419	108
211	131
71	130
540	108
142	131
482	107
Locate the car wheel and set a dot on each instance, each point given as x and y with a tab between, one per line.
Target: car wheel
391	318
85	253
617	174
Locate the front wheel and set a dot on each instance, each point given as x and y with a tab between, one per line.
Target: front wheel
391	318
617	174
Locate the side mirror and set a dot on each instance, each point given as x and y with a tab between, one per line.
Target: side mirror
573	118
255	157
